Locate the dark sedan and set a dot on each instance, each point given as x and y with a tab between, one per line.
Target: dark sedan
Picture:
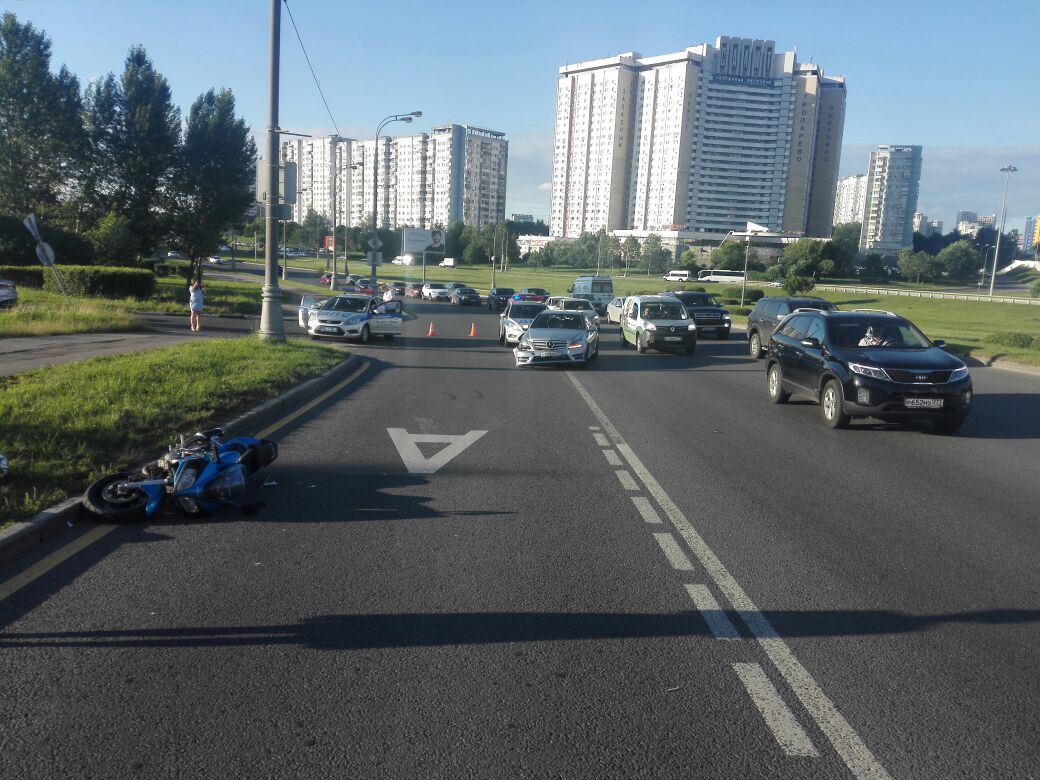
499	296
465	296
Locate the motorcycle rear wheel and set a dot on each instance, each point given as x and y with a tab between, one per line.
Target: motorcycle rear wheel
116	505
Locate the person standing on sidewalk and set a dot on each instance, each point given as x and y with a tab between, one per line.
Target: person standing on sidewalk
195	304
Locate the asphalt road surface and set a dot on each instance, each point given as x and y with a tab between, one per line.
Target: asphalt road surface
640	569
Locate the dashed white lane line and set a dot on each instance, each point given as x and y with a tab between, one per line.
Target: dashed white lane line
673	552
601	440
593	427
612	457
846	742
720	625
646	509
781	721
626	480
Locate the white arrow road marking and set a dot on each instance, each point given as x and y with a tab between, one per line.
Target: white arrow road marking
416	462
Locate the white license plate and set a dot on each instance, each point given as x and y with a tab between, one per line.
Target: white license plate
673	338
328	329
923	403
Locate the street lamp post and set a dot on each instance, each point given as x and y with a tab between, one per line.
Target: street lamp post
272	327
1007	170
375	179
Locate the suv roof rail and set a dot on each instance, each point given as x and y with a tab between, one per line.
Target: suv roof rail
878	311
809	308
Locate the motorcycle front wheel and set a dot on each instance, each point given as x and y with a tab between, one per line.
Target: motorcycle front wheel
115	501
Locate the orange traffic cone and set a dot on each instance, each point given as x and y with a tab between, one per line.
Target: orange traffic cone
473	329
430	331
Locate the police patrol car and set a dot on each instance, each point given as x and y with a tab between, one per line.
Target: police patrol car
355	317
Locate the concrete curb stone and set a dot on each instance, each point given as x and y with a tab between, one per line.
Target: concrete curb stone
20	537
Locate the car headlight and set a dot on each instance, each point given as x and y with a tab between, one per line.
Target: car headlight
692	326
871	371
725	316
576	344
524	344
959	373
650	326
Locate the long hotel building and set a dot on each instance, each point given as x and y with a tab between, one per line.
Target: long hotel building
455	173
701	141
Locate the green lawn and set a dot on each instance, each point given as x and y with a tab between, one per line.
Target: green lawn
68	425
41	313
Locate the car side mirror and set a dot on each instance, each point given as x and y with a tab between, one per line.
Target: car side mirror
939	343
812	343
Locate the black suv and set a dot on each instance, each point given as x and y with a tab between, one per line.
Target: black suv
866	363
762	320
707	312
498	297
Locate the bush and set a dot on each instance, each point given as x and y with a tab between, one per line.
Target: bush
797	285
730	292
741	311
101	282
1020	340
17	247
24	275
1034	289
753	295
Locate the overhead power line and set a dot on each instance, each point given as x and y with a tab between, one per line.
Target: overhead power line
313	74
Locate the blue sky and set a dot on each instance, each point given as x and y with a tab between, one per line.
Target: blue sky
959	78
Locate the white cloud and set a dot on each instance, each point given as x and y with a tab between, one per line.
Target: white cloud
545	186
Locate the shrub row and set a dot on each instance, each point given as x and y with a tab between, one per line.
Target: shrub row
101	282
23	275
1020	340
750	294
17	247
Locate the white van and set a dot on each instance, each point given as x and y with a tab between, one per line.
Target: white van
677	275
598	289
404	260
447	262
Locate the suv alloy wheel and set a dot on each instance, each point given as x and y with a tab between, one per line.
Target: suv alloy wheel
755	345
775	386
830	405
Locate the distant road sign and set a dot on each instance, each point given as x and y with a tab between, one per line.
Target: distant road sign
45	254
375	244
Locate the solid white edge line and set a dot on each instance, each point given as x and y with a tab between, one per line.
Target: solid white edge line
721	626
612	457
646	509
601	440
846	742
626	480
673	552
789	734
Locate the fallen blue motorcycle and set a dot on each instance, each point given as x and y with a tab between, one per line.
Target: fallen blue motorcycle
201	475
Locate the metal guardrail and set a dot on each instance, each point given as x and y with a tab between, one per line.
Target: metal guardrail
930	294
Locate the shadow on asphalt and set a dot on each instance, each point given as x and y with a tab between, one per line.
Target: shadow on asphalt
370	632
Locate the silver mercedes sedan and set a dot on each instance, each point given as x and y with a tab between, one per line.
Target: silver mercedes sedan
559	337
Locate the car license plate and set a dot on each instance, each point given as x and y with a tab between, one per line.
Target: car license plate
328	329
923	403
673	338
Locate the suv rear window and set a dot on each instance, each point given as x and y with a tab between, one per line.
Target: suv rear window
526	310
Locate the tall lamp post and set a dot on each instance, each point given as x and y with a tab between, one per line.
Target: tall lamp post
1007	170
272	327
375	181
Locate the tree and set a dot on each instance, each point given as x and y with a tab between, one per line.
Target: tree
730	256
42	144
798	285
919	266
608	250
844	246
113	243
133	130
630	251
688	260
873	265
806	257
654	255
960	260
213	180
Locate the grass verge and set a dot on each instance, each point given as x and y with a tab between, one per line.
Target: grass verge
68	425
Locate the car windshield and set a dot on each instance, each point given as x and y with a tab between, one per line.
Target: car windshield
602	287
577	305
525	311
504	291
534	291
888	333
466	291
663	311
345	304
435	286
559	319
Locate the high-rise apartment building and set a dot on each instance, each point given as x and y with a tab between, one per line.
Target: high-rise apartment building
455	173
893	180
701	141
850	199
1031	235
927	227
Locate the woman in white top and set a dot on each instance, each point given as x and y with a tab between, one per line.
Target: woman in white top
195	303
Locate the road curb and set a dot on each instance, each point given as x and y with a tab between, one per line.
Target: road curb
20	537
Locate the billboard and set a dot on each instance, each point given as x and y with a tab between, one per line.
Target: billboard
416	241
